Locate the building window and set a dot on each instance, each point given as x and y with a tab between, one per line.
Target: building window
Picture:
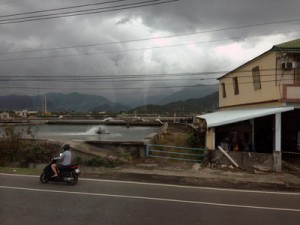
256	78
297	76
223	90
235	86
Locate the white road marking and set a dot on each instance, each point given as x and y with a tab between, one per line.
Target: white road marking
171	185
150	199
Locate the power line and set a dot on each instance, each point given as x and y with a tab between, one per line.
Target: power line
137	49
72	12
123	75
104	80
129	88
115	79
130	77
153	38
242	74
105	88
62	8
81	79
78	13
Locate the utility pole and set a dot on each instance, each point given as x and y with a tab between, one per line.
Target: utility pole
44	107
45	103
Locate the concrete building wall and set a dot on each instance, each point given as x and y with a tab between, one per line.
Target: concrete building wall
269	93
249	160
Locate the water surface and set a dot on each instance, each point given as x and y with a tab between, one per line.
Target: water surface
88	132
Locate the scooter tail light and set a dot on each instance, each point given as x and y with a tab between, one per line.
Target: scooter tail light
74	167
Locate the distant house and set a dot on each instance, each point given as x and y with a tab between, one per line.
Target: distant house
4	116
23	113
259	104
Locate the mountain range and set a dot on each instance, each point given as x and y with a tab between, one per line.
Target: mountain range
188	99
194	92
204	104
57	102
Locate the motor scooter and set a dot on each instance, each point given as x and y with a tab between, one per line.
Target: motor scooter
68	174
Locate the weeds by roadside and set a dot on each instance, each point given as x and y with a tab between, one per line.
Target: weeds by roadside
99	161
20	146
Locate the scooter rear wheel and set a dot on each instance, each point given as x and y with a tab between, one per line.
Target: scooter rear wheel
44	179
74	179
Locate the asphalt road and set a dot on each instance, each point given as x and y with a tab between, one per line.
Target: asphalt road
24	200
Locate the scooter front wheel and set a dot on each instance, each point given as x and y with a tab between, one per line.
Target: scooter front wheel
44	179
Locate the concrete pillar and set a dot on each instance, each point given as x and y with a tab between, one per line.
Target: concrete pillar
277	153
277	161
210	138
278	132
252	134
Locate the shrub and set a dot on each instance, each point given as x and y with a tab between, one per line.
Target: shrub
78	160
14	148
38	152
99	161
124	156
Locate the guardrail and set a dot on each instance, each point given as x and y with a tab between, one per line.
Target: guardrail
175	153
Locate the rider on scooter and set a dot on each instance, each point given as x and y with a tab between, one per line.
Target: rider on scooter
65	160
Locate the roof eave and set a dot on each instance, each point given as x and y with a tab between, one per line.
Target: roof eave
232	71
291	50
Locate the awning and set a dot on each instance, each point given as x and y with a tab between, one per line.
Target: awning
220	118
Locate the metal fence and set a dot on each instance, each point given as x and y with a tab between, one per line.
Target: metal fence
291	157
175	153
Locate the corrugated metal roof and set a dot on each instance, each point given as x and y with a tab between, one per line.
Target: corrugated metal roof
220	118
295	44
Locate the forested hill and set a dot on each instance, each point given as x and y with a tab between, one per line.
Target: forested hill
86	103
57	102
203	104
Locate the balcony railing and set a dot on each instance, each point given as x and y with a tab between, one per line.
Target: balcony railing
291	93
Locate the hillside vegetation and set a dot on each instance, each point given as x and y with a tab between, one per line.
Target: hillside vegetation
76	102
204	104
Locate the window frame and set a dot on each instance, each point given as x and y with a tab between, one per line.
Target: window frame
256	78
223	90
235	85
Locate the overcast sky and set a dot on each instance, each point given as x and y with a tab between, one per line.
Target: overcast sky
138	51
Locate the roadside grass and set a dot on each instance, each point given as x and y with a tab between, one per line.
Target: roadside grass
22	171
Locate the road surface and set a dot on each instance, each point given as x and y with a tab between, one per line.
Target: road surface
24	200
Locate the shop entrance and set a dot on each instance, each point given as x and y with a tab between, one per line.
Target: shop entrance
238	136
235	137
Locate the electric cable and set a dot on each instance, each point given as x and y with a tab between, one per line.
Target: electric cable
176	86
62	8
130	50
146	39
61	15
133	76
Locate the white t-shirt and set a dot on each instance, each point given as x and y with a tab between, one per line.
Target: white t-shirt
66	157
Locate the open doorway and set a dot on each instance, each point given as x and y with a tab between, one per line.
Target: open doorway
264	134
235	137
291	131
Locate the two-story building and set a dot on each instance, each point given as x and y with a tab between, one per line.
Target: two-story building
259	104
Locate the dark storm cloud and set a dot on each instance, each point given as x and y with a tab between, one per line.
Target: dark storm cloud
219	50
197	14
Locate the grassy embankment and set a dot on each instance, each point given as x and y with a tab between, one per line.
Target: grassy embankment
18	170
